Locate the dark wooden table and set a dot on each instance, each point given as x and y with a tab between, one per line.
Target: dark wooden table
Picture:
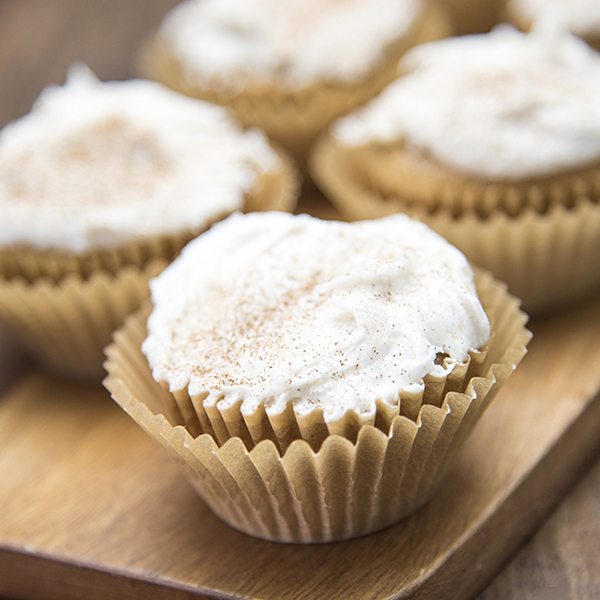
39	39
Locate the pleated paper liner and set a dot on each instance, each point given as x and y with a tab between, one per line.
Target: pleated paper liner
346	487
548	255
548	260
223	423
404	177
292	117
32	264
65	326
277	190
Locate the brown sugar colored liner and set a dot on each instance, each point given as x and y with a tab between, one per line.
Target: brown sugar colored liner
284	428
399	178
66	326
548	260
340	487
544	244
293	117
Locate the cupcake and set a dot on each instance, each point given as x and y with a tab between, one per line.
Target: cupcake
288	67
580	17
334	372
97	182
493	140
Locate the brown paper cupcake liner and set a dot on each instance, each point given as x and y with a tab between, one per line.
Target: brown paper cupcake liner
348	487
292	117
547	253
66	325
32	264
399	178
277	190
283	429
547	260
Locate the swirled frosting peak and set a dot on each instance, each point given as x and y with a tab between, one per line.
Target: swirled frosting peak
272	309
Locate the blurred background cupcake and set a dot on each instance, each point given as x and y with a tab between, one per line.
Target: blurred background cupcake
494	140
288	67
99	181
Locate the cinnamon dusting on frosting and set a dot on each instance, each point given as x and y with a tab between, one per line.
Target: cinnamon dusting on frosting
96	165
128	154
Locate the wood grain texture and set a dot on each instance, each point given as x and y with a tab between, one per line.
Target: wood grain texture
40	39
69	442
90	489
562	559
12	358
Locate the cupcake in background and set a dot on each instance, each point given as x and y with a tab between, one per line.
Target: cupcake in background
580	17
98	182
494	141
288	67
335	372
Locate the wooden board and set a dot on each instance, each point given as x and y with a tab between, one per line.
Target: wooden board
562	560
93	509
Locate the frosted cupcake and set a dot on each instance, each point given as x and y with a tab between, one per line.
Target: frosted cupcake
494	140
580	17
288	67
98	180
325	352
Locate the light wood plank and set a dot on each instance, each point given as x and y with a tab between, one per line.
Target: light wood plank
90	488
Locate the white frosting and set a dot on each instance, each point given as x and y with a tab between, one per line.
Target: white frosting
297	41
503	105
578	16
276	308
98	164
